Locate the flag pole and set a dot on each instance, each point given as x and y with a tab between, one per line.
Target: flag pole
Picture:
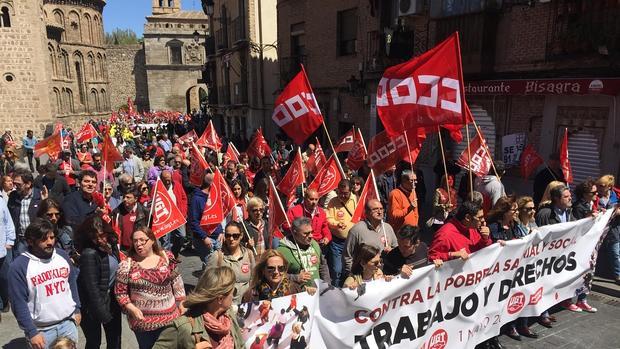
471	176
273	187
148	223
247	234
464	109
445	167
303	176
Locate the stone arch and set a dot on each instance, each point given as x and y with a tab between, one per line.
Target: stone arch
58	99
52	53
104	71
92	66
88	28
74	28
96	30
66	68
68	99
5	16
59	17
100	67
93	100
78	62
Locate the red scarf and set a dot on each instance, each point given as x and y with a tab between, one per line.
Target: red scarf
219	331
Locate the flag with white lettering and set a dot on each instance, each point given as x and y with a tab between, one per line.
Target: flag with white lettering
294	177
189	137
346	142
385	152
296	110
358	153
480	161
564	162
424	91
86	133
328	177
369	192
166	215
213	212
198	166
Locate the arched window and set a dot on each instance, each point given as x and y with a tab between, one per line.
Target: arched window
100	66
88	27
96	31
69	101
53	61
58	98
93	101
65	69
92	66
170	3
74	34
175	49
104	100
79	74
5	17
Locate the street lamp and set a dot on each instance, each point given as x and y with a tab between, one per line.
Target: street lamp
196	35
208	7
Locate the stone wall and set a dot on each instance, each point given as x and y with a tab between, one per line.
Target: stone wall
126	67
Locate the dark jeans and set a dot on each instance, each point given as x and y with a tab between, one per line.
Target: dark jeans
4	269
92	328
30	155
147	339
334	261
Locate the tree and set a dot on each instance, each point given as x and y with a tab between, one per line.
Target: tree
122	37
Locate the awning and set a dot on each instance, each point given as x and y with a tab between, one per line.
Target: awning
541	87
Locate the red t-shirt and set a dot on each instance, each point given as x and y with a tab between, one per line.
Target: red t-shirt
128	221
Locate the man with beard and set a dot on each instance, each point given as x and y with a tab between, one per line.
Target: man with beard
232	174
23	205
43	289
79	204
103	176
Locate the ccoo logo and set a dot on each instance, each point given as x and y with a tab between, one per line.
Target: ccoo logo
516	303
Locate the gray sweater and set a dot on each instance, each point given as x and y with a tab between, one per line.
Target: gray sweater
363	233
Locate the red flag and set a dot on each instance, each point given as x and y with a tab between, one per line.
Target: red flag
189	137
87	133
58	128
296	110
480	160
346	142
166	215
259	146
424	91
277	214
316	160
358	153
384	152
294	177
109	153
209	138
198	166
231	154
564	162
51	145
530	160
368	193
228	198
213	212
328	177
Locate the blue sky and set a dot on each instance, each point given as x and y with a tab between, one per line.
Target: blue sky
130	14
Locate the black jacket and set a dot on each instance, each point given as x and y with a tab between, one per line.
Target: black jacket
15	206
76	208
58	187
581	209
546	215
94	283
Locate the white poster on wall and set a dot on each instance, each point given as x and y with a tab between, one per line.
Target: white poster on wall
512	147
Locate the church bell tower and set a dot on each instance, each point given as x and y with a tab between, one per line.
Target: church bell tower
161	7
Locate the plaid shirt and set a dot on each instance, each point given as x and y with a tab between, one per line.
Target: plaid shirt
24	218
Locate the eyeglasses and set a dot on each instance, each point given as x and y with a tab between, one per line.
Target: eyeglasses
232	236
144	188
140	241
273	268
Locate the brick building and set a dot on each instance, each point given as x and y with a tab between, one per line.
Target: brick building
52	63
558	63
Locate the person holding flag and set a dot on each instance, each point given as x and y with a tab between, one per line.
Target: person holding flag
309	208
173	241
28	144
403	202
339	214
205	241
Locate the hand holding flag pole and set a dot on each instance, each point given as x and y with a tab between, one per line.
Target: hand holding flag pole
445	167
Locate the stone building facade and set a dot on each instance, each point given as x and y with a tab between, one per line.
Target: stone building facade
127	71
53	63
174	59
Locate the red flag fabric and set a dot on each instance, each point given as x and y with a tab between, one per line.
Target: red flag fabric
316	160
530	160
213	212
384	152
328	177
228	198
564	162
109	153
480	160
258	146
86	133
346	142
296	110
51	145
358	153
424	91
198	166
368	193
166	215
209	138
277	214
189	137
231	154
131	110
294	177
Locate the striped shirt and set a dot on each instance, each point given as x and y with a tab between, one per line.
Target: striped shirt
24	218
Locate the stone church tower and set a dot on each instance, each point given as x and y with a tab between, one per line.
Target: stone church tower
52	64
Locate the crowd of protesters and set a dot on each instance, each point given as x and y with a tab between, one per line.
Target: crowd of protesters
76	248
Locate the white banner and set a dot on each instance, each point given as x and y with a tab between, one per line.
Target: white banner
512	147
458	305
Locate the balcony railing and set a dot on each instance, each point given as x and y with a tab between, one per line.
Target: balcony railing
290	66
238	29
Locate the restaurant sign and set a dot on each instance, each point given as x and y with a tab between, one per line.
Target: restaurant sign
605	86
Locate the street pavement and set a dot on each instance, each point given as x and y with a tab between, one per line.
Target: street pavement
573	330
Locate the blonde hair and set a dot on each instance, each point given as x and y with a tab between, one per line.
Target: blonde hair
253	202
214	282
546	198
258	272
606	180
63	342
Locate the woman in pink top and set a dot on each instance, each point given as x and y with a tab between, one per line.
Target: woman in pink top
149	288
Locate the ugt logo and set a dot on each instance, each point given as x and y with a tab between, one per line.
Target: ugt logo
404	91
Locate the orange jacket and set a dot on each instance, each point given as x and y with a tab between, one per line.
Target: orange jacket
398	209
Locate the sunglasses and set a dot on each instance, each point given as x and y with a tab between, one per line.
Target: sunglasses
529	209
144	188
273	268
232	236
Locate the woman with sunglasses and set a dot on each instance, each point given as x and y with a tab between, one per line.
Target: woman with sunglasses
239	211
270	279
357	185
258	228
238	258
50	210
158	166
149	287
144	197
210	321
586	195
8	160
366	267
